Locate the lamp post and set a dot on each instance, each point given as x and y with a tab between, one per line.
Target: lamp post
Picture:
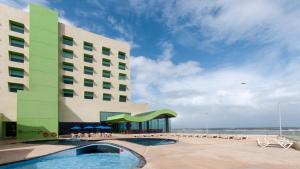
279	114
206	125
280	125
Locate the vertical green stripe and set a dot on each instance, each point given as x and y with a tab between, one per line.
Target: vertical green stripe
37	109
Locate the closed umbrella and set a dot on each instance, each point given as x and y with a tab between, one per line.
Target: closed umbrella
75	128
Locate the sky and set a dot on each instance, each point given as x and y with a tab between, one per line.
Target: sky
192	56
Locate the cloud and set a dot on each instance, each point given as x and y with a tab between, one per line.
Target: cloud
24	5
193	91
208	22
120	27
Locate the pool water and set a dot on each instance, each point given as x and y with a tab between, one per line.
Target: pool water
72	159
150	141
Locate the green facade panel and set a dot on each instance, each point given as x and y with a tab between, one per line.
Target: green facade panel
37	108
141	117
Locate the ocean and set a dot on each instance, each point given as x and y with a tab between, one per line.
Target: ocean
290	132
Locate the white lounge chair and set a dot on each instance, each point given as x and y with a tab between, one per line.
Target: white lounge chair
275	142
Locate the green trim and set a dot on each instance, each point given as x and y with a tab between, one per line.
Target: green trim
37	107
141	117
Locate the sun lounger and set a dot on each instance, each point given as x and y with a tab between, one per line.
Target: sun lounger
275	142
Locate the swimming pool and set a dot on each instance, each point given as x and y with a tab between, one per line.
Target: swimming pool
94	156
150	141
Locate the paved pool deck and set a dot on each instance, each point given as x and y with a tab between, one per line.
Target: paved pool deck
192	153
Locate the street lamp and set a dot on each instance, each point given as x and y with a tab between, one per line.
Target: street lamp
279	114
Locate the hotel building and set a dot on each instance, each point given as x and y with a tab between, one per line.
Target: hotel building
54	76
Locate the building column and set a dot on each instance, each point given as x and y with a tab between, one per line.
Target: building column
167	125
147	124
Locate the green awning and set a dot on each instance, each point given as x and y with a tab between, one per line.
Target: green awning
142	116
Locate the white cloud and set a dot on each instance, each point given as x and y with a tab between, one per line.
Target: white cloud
24	5
230	21
193	91
120	27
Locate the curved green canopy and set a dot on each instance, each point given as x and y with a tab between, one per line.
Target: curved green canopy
141	117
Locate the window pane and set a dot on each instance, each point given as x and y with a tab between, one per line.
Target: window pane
88	46
106	85
68	79
122	87
88	58
16	57
88	83
105	51
122	76
106	97
106	62
67	40
122	66
88	95
68	66
17	42
68	54
16	27
122	55
14	87
16	72
68	93
106	73
88	70
122	98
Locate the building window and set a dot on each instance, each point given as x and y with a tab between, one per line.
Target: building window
122	66
106	85
88	82
16	42
88	95
88	58
68	92
68	53
88	46
106	73
122	76
68	79
122	55
67	40
16	72
106	62
14	87
88	70
122	87
16	26
16	57
68	66
105	51
122	98
106	97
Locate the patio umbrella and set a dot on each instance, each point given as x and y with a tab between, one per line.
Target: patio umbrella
75	128
100	127
88	127
107	127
